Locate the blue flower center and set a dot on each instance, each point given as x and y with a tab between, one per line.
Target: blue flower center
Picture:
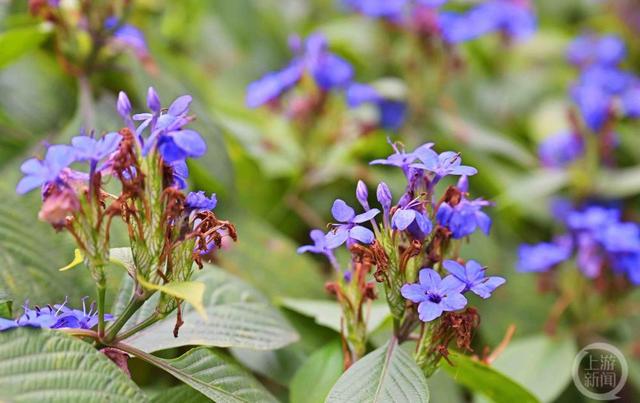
433	297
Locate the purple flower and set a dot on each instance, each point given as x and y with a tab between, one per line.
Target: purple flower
200	201
592	218
473	278
349	231
320	246
629	264
128	35
511	17
589	49
384	196
55	317
402	159
560	149
631	101
173	142
180	174
393	10
40	172
619	237
328	71
447	163
417	223
89	149
589	257
593	104
464	218
435	295
543	256
391	111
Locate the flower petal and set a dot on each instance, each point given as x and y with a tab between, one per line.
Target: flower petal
413	292
362	234
429	279
456	269
180	105
485	289
453	302
366	216
464	170
402	218
190	142
336	237
428	311
452	285
341	211
428	157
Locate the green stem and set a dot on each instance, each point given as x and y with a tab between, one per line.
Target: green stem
102	292
156	316
134	304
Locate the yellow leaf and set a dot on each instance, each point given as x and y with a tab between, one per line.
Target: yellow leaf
78	257
190	291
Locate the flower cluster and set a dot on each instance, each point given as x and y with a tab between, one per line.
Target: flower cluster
55	317
600	240
314	63
602	94
512	18
74	22
168	230
411	243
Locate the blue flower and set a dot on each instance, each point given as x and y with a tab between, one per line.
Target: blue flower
89	149
328	71
590	49
392	10
415	222
463	218
446	163
592	218
402	159
619	237
129	36
40	172
168	135
511	17
391	112
180	174
55	317
349	231
593	104
435	295
473	278
560	149
543	256
629	264
200	201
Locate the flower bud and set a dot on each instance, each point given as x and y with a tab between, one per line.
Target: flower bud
123	105
362	194
463	184
384	196
153	100
58	206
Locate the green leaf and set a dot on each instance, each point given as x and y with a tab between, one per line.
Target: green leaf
180	394
540	363
18	41
532	187
189	291
6	305
328	313
46	365
618	183
485	380
482	139
237	316
313	381
269	261
388	374
210	373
